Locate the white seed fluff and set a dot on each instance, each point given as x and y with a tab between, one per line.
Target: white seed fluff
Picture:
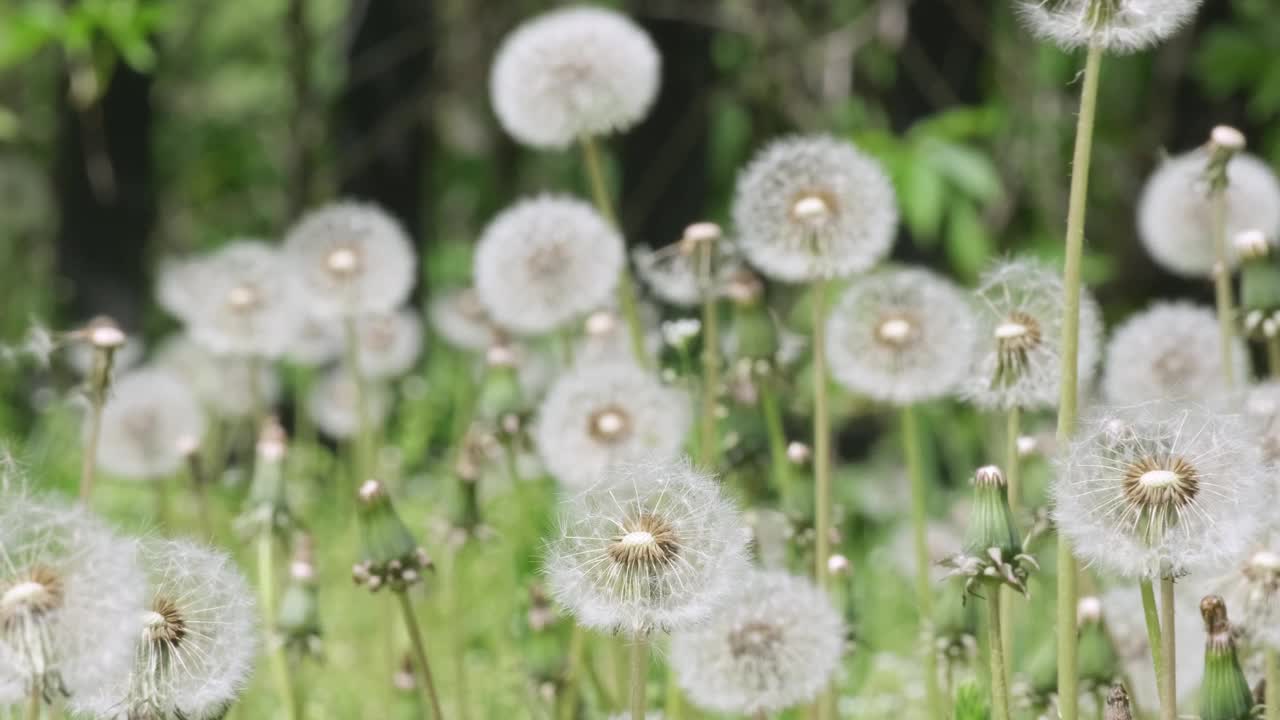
812	207
654	546
774	645
460	318
148	412
1171	350
225	385
350	259
1175	216
334	407
389	344
69	589
596	416
544	262
1262	409
317	343
1118	26
1160	490
1018	361
901	336
194	651
571	73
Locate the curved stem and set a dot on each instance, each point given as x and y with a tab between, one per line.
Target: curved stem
639	674
995	649
1068	693
1169	666
710	444
427	687
1151	614
1222	283
275	652
914	452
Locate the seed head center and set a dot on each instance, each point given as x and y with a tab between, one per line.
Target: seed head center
644	543
164	623
895	331
610	424
812	208
637	537
1158	479
40	591
242	297
754	638
343	261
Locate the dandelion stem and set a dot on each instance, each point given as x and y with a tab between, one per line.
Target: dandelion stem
1222	281
710	444
765	387
674	709
995	649
1068	693
626	287
89	461
1151	614
572	671
198	487
1013	476
33	706
361	455
1272	682
639	674
1169	667
1273	355
427	687
914	452
821	437
275	652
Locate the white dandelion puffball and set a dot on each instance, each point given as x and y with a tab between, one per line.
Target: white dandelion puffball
224	384
1169	351
242	300
459	317
194	652
600	415
1262	408
545	261
654	546
149	414
1160	490
774	645
674	273
901	336
334	404
572	73
1252	592
318	342
389	344
1018	361
1175	216
1117	26
350	259
69	593
1122	611
810	207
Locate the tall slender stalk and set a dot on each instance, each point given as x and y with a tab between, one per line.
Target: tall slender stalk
572	673
33	706
626	286
275	651
1222	282
427	687
914	452
89	460
821	437
1151	614
674	709
1013	475
1168	669
639	674
995	650
1272	674
1273	355
361	455
710	444
1068	685
772	414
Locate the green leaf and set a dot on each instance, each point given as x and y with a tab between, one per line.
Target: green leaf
969	245
923	197
970	170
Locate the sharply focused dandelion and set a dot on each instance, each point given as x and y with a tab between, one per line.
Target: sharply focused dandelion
149	413
545	261
1170	350
572	73
1175	213
652	546
69	592
1160	490
1117	26
350	259
813	207
194	651
389	344
1018	363
901	336
775	645
600	415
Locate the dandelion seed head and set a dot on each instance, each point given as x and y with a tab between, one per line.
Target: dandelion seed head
223	384
1160	490
1170	350
317	342
459	317
1118	26
1175	214
774	645
901	336
571	73
654	545
544	262
389	344
350	259
1018	361
600	415
147	413
814	207
334	404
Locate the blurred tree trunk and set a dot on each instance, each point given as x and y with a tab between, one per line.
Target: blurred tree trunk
383	148
664	159
106	201
303	123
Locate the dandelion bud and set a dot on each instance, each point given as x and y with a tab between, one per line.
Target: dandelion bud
698	234
798	453
298	620
1226	139
268	508
993	552
1259	284
1225	693
1098	662
1118	705
500	392
751	325
391	555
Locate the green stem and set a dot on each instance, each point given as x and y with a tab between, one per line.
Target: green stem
626	287
914	452
572	671
1273	685
821	437
777	438
33	706
639	674
427	687
1222	283
1273	356
164	510
1068	692
1151	614
362	450
674	709
1169	666
275	651
1013	475
89	461
995	649
710	444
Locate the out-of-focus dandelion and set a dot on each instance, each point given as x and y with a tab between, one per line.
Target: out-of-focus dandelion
104	339
229	387
148	413
389	344
334	404
459	317
1116	26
